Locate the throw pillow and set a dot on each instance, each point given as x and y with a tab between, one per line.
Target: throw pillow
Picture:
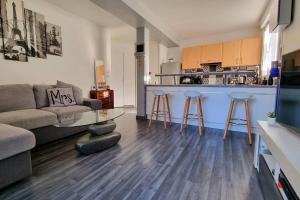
61	97
40	95
76	91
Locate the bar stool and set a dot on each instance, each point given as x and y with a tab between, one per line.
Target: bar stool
235	98
157	95
198	97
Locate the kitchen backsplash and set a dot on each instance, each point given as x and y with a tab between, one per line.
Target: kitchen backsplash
219	79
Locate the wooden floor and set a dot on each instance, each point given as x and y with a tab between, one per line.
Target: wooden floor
147	164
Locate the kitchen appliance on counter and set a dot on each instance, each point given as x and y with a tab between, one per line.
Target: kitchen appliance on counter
190	80
170	68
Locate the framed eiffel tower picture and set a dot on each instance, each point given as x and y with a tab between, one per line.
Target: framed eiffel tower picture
14	30
36	34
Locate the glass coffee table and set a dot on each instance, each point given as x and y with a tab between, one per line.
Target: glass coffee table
101	134
89	117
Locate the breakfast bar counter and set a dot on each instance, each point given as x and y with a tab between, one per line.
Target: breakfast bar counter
216	103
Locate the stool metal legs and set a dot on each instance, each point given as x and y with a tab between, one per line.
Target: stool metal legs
248	119
186	114
166	110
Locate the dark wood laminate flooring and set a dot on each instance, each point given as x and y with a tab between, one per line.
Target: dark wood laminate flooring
147	164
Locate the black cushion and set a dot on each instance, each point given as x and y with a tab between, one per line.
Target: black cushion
89	144
102	129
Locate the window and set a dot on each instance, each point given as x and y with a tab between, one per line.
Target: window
270	50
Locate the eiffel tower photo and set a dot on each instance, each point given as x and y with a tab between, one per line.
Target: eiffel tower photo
14	32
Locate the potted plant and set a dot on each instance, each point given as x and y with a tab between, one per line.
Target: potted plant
271	118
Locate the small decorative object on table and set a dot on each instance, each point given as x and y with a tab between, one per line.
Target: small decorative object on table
271	118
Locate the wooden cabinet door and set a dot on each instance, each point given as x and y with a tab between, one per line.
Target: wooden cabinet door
231	53
191	57
211	53
251	50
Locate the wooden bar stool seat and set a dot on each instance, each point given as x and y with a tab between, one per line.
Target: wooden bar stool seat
197	96
166	107
234	99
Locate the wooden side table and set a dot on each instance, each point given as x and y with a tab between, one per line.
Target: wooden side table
105	96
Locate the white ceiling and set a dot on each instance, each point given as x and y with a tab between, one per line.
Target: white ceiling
88	10
192	19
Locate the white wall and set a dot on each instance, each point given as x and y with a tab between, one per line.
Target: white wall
154	61
175	53
158	55
291	36
163	54
83	42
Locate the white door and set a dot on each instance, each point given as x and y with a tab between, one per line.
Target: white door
123	74
117	77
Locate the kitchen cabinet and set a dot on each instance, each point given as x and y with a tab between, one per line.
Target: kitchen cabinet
251	50
231	53
246	52
211	53
191	57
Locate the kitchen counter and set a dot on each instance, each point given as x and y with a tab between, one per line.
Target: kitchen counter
221	85
216	103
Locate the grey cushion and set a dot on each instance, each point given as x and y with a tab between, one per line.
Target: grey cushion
40	95
76	91
59	111
28	119
16	97
61	97
14	140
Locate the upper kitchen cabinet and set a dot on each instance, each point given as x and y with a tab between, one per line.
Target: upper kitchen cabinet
231	53
251	50
211	53
191	57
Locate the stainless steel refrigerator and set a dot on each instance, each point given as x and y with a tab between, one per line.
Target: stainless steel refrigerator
170	68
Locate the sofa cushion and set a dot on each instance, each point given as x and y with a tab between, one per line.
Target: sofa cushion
59	111
16	97
76	91
40	95
29	118
14	140
61	97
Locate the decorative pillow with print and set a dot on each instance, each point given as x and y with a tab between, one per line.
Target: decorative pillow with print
61	97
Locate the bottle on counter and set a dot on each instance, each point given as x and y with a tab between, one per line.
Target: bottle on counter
264	81
270	80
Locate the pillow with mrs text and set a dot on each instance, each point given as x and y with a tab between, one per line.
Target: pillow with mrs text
61	97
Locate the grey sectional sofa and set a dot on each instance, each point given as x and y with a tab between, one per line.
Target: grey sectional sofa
15	158
27	107
27	120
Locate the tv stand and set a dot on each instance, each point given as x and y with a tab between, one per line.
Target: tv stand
280	148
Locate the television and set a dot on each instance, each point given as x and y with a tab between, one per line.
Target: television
288	96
